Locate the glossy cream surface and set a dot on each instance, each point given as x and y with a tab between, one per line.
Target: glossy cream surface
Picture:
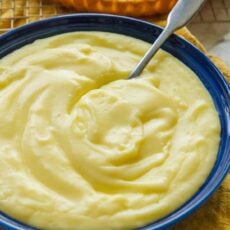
83	148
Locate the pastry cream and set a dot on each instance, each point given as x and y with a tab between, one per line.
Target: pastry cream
83	148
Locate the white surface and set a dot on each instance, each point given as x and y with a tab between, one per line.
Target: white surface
222	49
212	28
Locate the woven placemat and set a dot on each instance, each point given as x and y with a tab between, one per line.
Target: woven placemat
214	214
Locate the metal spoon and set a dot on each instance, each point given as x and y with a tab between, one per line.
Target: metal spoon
180	15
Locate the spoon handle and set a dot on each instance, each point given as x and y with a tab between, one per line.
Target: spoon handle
183	11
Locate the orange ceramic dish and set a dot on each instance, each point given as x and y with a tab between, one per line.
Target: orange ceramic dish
123	7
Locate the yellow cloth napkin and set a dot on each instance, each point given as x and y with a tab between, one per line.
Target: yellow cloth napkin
214	214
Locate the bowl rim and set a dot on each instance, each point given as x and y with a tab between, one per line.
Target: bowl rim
10	223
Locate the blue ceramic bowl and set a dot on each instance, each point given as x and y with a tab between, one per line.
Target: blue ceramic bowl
212	79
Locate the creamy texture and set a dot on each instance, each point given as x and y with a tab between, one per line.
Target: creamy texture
81	148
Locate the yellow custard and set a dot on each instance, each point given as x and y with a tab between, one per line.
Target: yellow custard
83	148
